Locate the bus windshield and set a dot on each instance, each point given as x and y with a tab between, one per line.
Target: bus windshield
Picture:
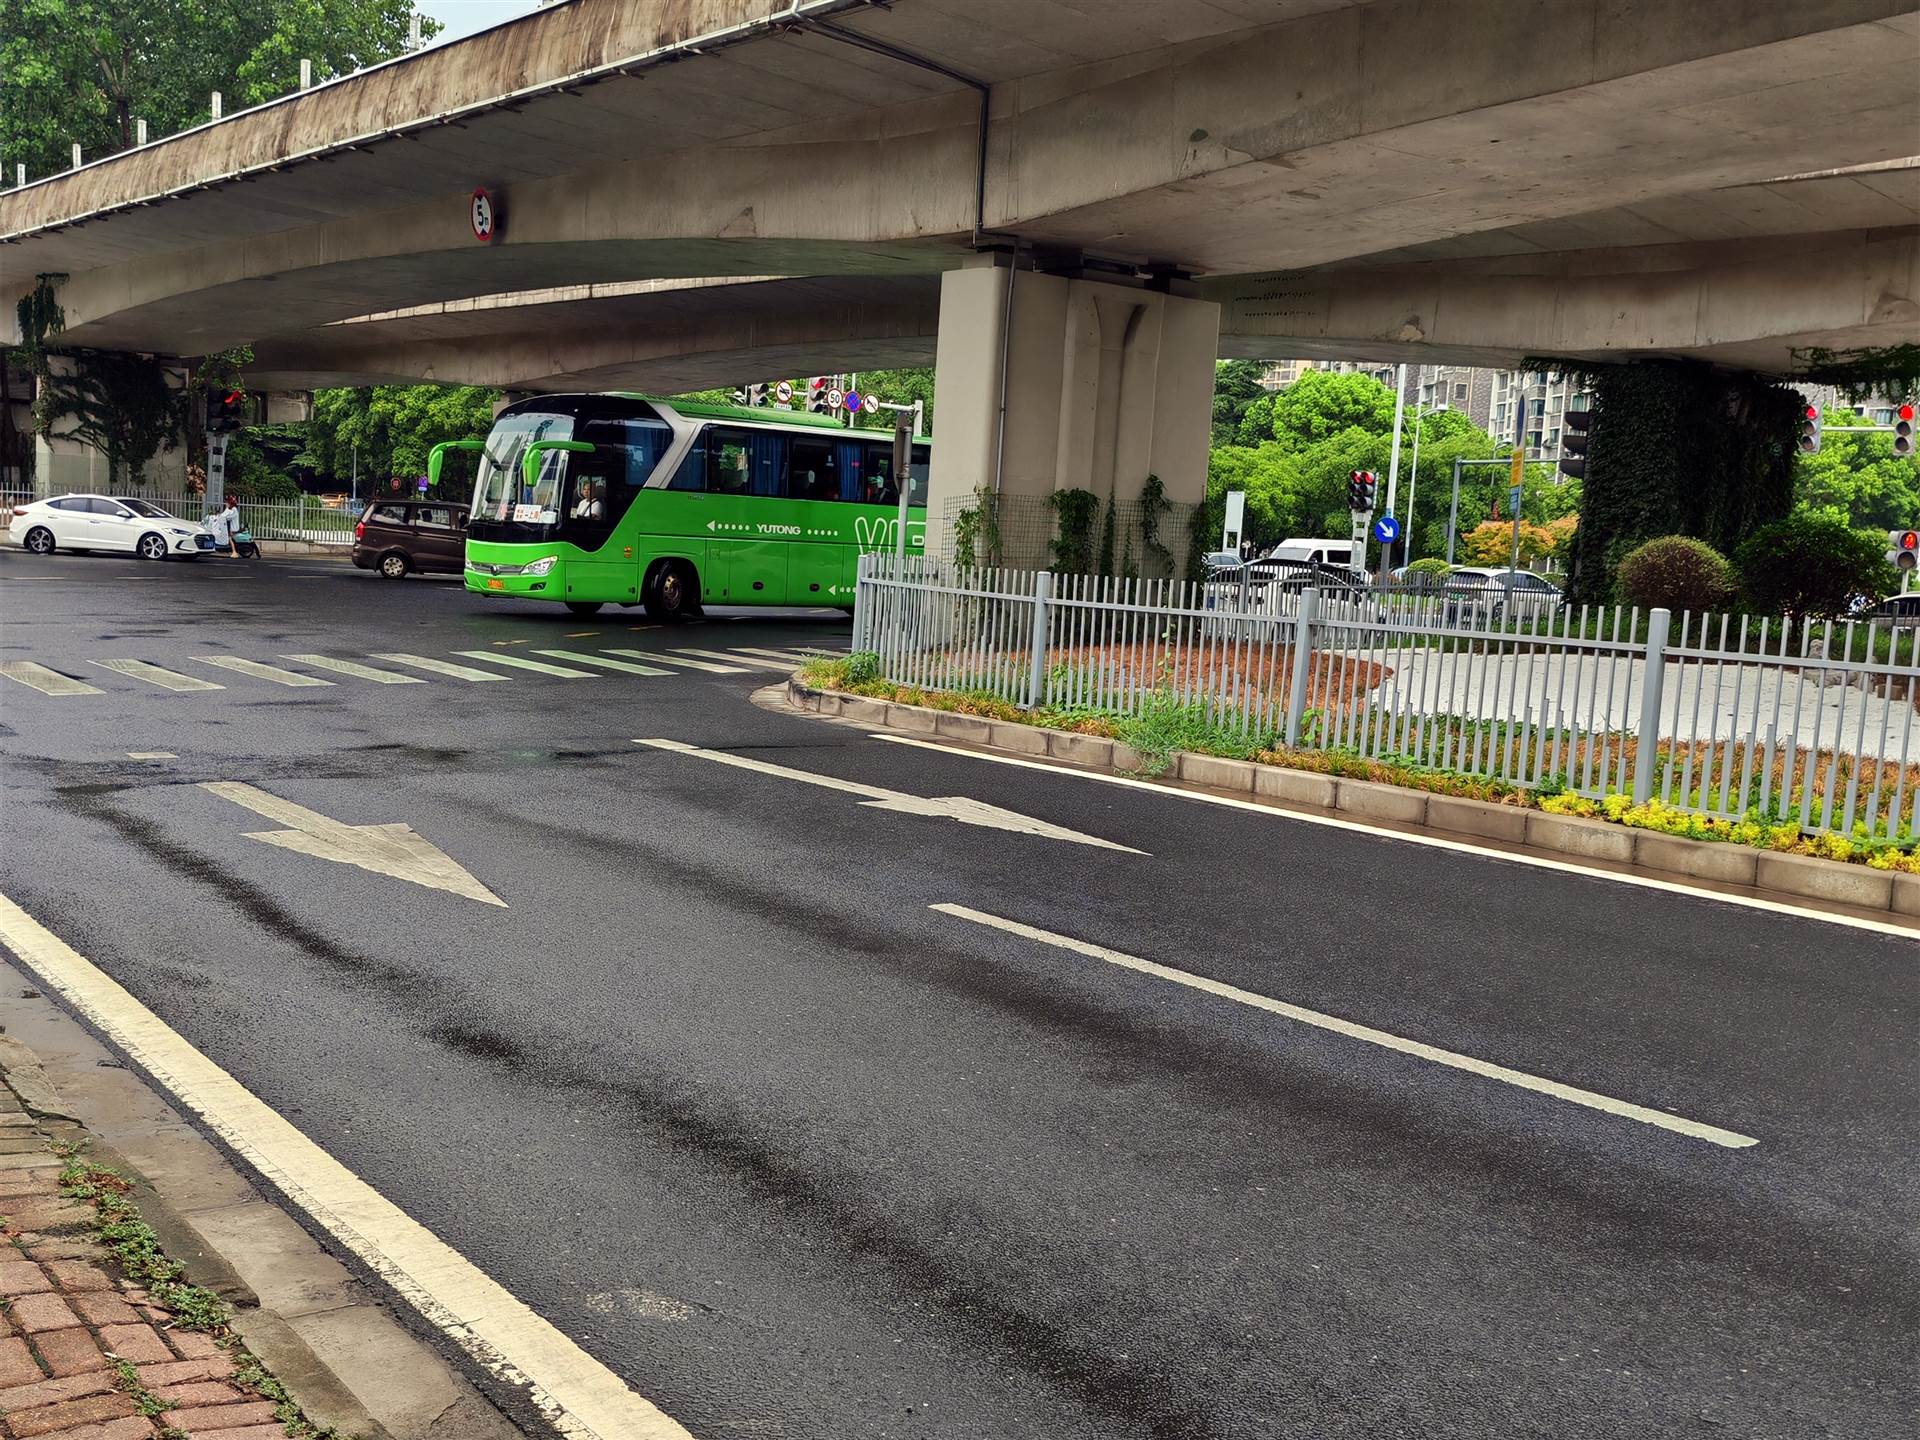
500	491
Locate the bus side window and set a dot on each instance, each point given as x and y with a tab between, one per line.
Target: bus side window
810	470
879	488
747	462
692	474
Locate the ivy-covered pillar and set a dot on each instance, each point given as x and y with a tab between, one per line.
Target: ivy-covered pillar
1679	448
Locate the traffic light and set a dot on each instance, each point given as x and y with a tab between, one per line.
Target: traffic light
817	389
1576	428
750	395
1809	429
1360	486
226	410
1903	431
1903	549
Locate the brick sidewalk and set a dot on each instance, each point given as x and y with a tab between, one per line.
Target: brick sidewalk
84	1353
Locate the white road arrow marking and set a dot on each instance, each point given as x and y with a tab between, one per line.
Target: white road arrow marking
384	849
941	807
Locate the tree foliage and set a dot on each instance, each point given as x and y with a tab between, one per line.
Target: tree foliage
1812	564
393	428
1675	572
1294	450
1236	386
86	70
1857	479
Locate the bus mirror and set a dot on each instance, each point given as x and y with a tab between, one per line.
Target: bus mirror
437	455
530	461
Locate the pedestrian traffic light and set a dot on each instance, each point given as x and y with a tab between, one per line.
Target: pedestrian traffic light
817	389
226	410
1360	487
1903	549
1575	434
1809	429
1903	431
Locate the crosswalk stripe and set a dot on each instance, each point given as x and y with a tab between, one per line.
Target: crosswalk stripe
747	660
156	675
706	665
520	662
47	682
441	667
795	657
585	658
259	671
357	670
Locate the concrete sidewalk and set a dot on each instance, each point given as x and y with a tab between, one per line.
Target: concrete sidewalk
300	1319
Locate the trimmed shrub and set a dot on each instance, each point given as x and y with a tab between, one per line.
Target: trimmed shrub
1674	572
1812	564
1428	574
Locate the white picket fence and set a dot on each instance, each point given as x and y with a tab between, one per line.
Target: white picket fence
1724	715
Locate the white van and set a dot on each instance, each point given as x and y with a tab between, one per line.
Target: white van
1314	552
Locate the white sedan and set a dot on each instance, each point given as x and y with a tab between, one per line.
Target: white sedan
105	522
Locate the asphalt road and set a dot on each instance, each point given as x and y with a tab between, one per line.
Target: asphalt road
724	1099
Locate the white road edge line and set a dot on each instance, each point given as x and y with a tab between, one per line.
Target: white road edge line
1572	1094
1433	842
576	1393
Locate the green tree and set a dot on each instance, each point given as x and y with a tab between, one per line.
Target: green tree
1858	479
1236	386
393	428
86	70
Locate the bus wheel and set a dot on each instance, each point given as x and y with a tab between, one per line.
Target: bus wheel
585	607
673	595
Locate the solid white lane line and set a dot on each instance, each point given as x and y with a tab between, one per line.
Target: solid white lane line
151	755
47	682
752	663
356	669
441	667
575	1392
585	657
1432	842
155	675
1572	1094
683	662
259	671
520	662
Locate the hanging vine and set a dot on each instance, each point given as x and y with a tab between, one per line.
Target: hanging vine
1073	544
1861	374
1153	510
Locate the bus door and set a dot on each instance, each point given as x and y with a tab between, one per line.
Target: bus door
745	469
601	486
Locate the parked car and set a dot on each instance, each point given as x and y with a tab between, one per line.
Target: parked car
1498	596
1897	610
396	536
105	522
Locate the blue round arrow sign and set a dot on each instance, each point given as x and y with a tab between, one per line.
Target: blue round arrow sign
1386	529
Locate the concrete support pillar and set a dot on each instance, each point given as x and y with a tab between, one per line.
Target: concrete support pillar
61	465
1105	384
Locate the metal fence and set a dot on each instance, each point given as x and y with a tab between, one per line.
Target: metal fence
1727	716
303	519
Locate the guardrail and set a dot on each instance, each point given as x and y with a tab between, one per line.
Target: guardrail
305	519
1727	716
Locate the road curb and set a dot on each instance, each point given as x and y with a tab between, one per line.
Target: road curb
344	1356
1787	878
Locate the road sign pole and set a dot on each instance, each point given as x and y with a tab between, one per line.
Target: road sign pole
1453	514
902	474
216	471
1515	488
1393	460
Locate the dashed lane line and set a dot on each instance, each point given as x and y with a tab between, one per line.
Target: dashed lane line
47	682
520	662
355	669
584	657
680	660
158	675
1486	1069
442	667
261	672
578	1395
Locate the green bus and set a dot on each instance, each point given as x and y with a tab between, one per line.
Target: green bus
589	500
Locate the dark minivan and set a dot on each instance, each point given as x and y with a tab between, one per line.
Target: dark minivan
396	536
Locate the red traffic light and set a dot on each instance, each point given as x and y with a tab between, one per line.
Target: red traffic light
1813	412
1905	412
1908	540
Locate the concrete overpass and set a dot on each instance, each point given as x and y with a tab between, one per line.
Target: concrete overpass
1159	160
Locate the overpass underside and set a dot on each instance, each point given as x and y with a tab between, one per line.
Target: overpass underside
1431	179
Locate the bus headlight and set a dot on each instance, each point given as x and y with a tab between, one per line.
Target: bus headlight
541	566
